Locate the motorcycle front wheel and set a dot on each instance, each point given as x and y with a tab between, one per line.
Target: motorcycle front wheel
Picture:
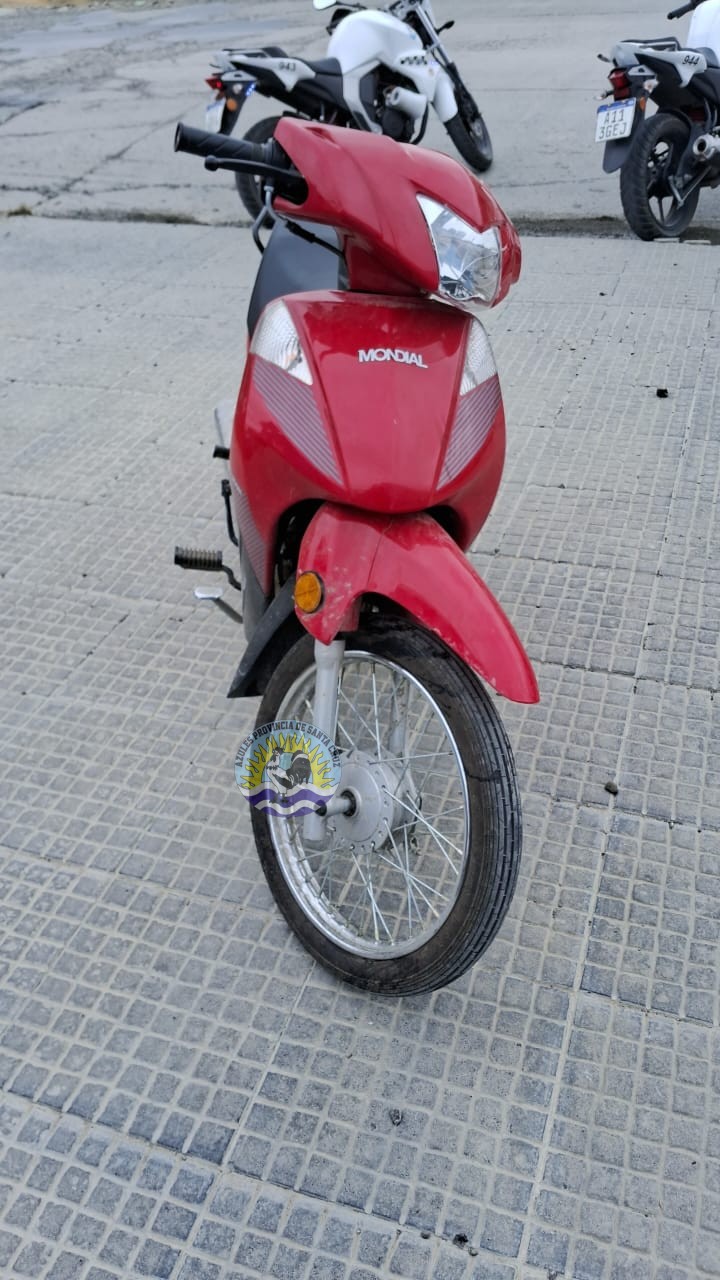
408	889
250	189
470	136
649	200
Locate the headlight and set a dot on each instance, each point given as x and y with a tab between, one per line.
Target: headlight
277	341
468	260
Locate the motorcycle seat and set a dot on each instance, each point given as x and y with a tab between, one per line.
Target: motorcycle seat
324	66
709	55
268	51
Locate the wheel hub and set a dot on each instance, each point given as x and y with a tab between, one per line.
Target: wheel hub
373	786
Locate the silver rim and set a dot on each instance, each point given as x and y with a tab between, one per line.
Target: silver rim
387	876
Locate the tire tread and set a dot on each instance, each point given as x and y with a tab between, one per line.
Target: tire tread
633	180
466	145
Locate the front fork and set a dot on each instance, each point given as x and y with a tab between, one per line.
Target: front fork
328	666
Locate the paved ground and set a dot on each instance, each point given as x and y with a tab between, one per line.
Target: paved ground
184	1094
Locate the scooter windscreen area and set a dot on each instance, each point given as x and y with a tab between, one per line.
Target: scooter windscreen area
293	265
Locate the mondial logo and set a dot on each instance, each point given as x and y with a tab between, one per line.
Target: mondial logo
381	354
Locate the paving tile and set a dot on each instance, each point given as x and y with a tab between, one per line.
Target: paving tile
632	1140
655	933
184	1093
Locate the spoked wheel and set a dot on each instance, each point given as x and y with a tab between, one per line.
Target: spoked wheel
250	188
649	186
408	888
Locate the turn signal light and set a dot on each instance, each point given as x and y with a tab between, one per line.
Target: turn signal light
620	83
308	594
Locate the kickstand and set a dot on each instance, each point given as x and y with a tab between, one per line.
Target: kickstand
213	594
228	609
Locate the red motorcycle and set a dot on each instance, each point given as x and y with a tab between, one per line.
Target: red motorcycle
367	449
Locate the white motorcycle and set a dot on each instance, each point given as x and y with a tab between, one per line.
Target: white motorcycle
385	68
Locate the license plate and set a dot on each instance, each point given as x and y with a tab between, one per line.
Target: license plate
214	114
615	121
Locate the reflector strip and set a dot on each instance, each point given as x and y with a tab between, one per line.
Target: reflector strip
473	420
293	407
249	535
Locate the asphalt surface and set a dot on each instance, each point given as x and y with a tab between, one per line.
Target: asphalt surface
88	101
185	1095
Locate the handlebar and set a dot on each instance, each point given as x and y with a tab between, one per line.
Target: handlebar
265	159
685	8
199	143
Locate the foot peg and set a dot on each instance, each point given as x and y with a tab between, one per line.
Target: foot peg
206	562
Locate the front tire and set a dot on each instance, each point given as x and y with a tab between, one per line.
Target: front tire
470	135
250	189
407	891
648	201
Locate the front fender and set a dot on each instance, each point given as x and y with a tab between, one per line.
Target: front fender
412	561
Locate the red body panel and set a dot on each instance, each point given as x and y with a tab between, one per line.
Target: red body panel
379	434
372	434
387	246
411	560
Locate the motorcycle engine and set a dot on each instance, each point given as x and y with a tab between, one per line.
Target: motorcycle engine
394	122
395	125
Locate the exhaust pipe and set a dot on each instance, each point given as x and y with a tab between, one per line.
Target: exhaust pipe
706	147
409	103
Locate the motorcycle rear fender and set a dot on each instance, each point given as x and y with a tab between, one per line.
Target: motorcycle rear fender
230	115
616	153
412	561
271	73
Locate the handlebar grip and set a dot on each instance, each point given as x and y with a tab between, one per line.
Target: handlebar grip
680	13
200	143
265	159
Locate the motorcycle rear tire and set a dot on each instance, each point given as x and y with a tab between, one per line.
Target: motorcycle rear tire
645	172
250	189
492	834
472	139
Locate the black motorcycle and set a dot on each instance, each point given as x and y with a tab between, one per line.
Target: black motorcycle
665	158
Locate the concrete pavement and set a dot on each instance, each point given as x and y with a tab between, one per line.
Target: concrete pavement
184	1094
